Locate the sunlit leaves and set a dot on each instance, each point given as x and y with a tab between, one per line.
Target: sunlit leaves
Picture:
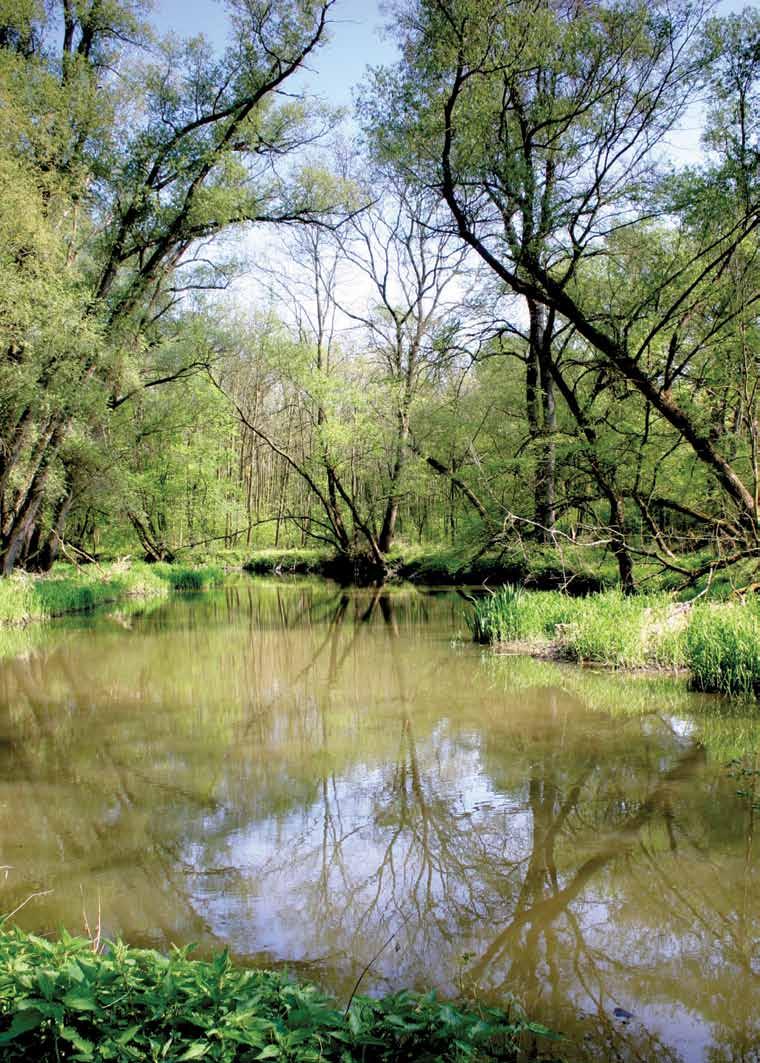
132	1004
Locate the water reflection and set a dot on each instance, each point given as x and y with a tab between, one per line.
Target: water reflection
301	772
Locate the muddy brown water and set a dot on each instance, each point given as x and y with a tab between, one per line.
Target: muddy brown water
300	773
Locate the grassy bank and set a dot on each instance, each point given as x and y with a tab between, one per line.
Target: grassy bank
24	598
540	568
717	642
62	1000
444	566
288	562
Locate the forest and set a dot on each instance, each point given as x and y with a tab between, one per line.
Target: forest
502	312
482	348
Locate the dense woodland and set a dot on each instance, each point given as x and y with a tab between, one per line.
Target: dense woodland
504	311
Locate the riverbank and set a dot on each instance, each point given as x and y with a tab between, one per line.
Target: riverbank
716	643
71	998
25	598
541	569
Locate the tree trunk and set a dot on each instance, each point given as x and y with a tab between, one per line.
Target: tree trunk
542	419
388	530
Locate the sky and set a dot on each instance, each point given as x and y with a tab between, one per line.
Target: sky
357	40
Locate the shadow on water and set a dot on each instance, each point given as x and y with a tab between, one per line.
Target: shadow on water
298	771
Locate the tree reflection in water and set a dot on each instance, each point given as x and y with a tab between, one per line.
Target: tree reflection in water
300	772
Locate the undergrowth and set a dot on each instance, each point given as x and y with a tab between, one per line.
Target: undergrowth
289	561
61	1000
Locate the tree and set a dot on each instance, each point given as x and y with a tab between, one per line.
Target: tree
124	182
539	125
355	368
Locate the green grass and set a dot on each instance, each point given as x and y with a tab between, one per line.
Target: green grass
295	561
723	648
24	598
61	1000
608	628
189	578
512	614
626	632
718	642
69	590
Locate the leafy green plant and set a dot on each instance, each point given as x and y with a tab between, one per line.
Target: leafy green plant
59	999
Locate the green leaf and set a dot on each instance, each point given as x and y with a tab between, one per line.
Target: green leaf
543	1031
78	1001
23	1021
270	1052
196	1051
450	1015
82	1045
74	971
126	1035
46	984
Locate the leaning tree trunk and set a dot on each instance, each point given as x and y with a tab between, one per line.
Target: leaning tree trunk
542	418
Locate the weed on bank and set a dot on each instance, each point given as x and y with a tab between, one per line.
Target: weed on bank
60	1000
717	642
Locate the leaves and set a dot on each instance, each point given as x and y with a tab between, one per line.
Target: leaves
22	1023
134	1004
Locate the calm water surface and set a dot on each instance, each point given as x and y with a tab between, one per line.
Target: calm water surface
299	772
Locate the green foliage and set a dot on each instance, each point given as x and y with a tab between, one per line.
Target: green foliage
119	152
24	598
608	628
718	642
293	562
540	567
626	632
185	578
61	1000
512	614
68	590
723	648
